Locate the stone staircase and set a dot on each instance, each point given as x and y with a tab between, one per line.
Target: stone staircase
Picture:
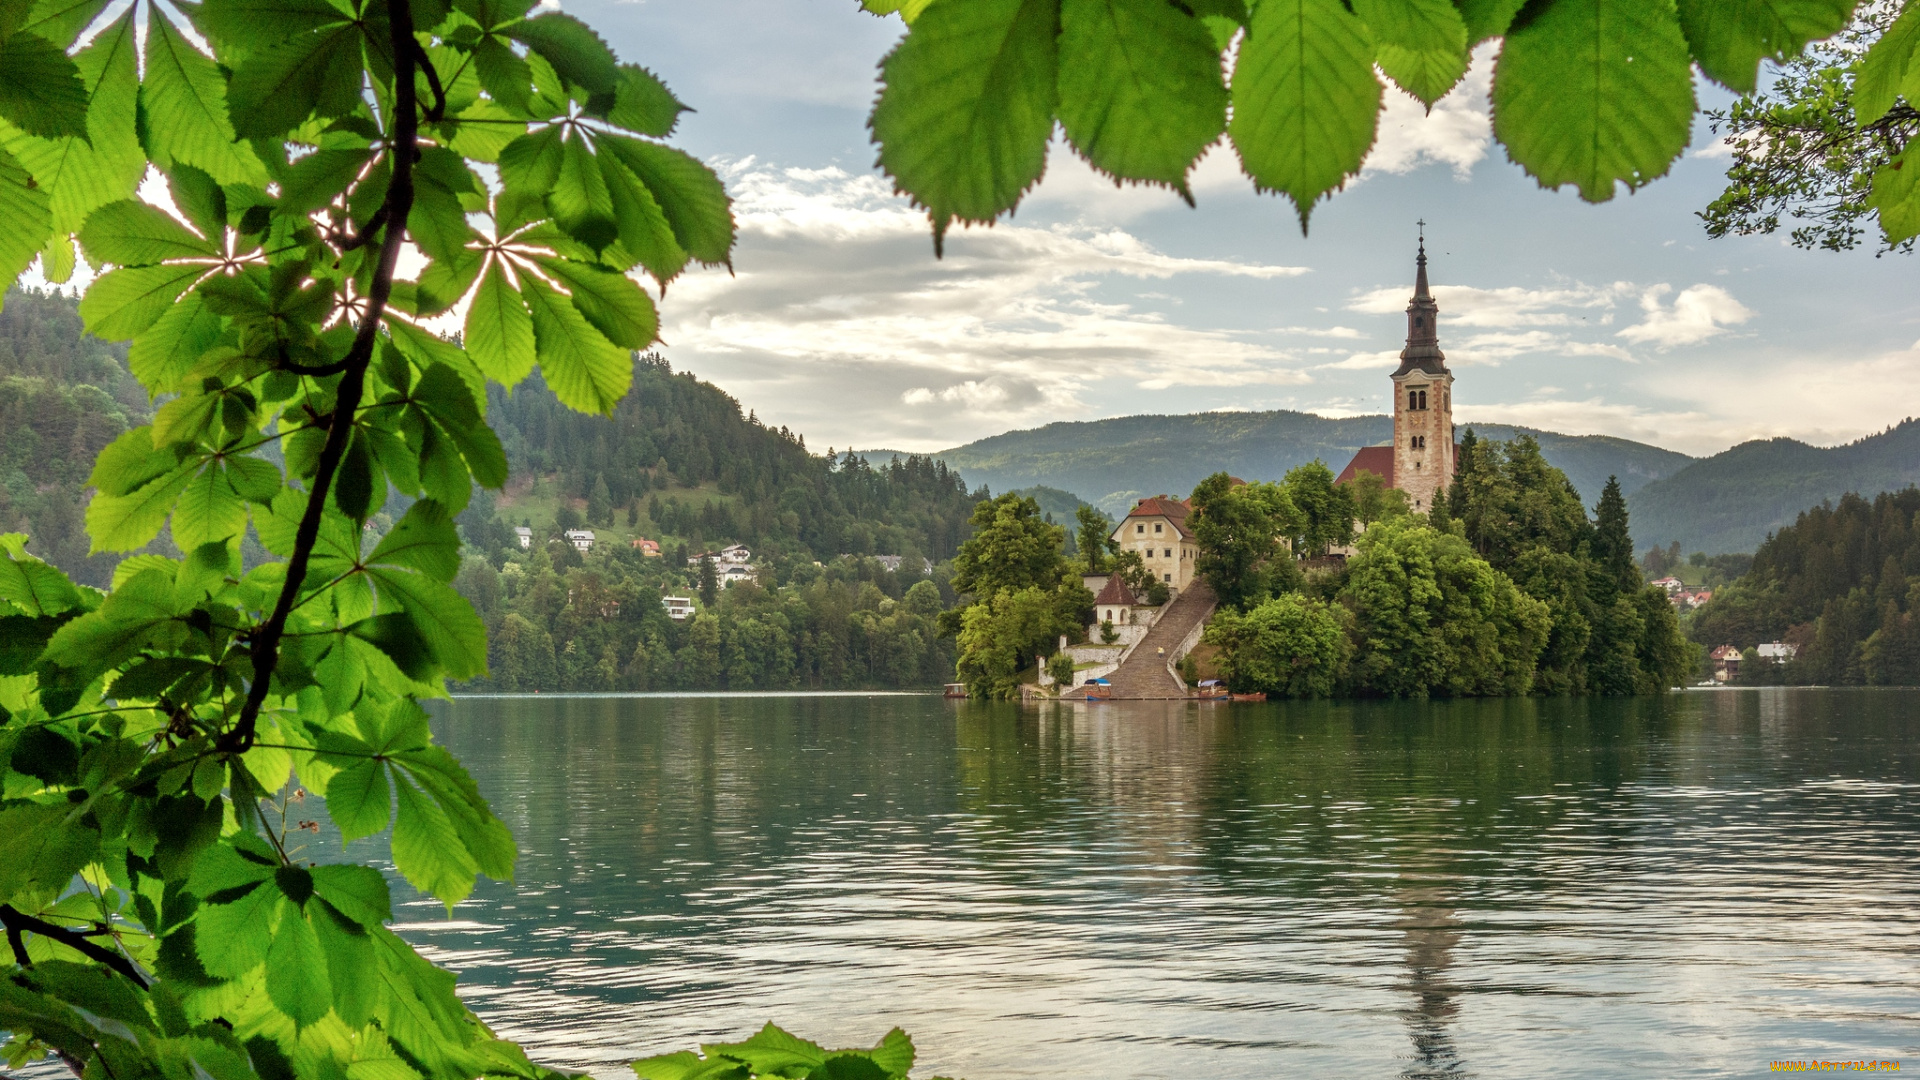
1144	675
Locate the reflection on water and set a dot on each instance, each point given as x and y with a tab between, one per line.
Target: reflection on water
1685	886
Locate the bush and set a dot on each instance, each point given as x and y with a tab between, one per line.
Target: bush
1290	645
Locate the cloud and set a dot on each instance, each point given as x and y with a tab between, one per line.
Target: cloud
1505	308
838	322
1457	132
1698	313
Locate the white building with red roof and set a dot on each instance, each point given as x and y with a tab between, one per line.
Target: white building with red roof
1157	528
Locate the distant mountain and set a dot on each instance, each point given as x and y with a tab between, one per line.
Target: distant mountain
1110	463
1732	500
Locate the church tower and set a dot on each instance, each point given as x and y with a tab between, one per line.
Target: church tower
1423	451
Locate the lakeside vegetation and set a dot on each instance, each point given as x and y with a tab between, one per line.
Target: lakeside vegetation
1506	587
1841	585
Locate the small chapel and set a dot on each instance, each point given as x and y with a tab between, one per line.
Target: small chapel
1421	459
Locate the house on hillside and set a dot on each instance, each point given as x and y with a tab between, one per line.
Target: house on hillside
1726	663
1775	652
894	562
1673	585
524	535
1157	529
679	608
649	548
581	539
731	555
1422	458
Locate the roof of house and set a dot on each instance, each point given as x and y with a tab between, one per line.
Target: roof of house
1726	652
1174	510
1373	459
1115	593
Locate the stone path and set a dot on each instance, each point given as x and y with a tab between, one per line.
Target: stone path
1144	675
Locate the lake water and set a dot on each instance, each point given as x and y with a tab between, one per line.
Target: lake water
1694	885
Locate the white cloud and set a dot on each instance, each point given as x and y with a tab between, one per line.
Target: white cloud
838	321
1698	313
1457	132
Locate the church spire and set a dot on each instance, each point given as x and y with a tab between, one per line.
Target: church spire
1420	277
1423	321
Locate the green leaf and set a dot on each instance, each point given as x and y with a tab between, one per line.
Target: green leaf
172	347
128	619
1594	92
499	332
1488	18
60	21
208	510
83	174
186	105
1729	38
241	26
1305	100
685	1064
531	163
40	88
507	78
358	892
275	90
610	300
201	199
424	540
132	233
427	851
25	207
645	235
437	223
1896	195
443	620
40	850
1884	69
33	585
350	959
691	197
359	799
485	837
586	372
579	199
128	522
297	982
1140	88
233	938
574	50
965	109
1420	44
315	180
130	462
448	399
643	103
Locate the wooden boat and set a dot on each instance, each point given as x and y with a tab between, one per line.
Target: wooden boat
956	689
1249	697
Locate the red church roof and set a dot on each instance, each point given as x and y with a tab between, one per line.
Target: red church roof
1373	459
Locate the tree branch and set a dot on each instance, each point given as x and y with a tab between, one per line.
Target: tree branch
403	145
17	921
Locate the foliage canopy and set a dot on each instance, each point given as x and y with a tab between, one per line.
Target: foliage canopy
162	917
1590	93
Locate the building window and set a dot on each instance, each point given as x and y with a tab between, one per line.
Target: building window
1167	578
1168	553
1139	529
1156	528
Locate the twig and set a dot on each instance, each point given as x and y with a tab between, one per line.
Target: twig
403	147
17	921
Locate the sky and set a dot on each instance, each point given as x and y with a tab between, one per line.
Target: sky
1620	319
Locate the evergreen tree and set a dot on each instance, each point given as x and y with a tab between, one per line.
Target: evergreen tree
1612	543
709	583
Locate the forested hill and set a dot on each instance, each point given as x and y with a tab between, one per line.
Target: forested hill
1732	500
1842	583
1112	462
63	396
680	461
